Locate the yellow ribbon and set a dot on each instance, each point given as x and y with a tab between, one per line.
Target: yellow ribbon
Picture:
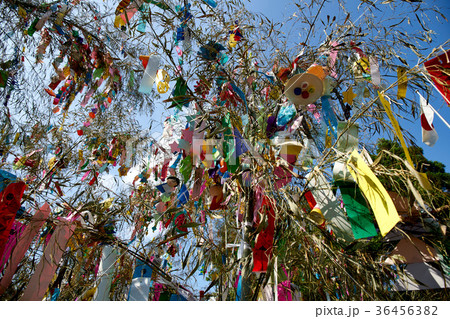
402	82
422	177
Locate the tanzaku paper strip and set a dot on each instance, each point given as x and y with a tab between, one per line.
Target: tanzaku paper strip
46	268
379	199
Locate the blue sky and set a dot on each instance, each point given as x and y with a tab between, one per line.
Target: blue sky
281	9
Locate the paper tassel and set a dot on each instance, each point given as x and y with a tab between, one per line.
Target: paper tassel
429	134
379	199
105	273
422	177
329	205
49	262
402	82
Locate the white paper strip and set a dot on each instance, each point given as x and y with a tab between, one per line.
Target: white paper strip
374	71
105	273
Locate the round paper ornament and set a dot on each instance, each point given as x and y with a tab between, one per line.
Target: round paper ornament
303	89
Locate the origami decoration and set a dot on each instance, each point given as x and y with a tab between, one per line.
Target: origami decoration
162	81
210	51
349	96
